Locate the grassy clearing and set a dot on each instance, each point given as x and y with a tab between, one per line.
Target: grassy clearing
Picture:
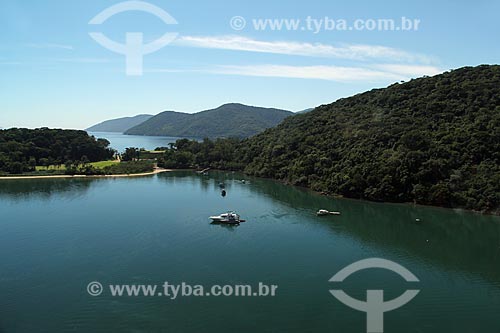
50	168
103	164
62	167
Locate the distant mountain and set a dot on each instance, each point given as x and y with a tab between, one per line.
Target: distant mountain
229	120
304	111
161	124
119	125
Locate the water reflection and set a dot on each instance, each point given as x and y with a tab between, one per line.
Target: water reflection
228	227
455	240
43	189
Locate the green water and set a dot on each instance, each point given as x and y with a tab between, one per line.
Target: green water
56	236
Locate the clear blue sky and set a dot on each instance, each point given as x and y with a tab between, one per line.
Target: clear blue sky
54	74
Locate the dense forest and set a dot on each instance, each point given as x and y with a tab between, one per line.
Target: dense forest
21	150
433	140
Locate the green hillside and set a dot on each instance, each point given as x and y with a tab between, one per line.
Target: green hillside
161	124
229	120
433	140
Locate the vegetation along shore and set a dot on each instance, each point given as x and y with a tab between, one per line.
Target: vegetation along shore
430	141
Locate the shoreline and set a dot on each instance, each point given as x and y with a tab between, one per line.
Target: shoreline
339	196
154	172
333	196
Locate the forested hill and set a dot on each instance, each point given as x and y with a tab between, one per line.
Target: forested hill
433	140
229	120
119	125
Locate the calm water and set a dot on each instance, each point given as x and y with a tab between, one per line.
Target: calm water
57	236
121	141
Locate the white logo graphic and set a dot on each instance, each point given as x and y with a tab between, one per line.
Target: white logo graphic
237	23
94	288
134	49
375	307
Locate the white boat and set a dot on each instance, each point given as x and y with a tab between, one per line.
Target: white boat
322	212
203	172
229	217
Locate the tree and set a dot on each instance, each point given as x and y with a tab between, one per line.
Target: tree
130	154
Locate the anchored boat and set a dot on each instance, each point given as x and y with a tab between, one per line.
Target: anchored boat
323	212
227	218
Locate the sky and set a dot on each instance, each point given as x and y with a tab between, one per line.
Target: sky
55	74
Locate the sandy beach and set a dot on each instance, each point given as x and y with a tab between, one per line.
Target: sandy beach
156	171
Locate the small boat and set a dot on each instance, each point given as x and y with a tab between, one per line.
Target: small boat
323	212
203	172
227	218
